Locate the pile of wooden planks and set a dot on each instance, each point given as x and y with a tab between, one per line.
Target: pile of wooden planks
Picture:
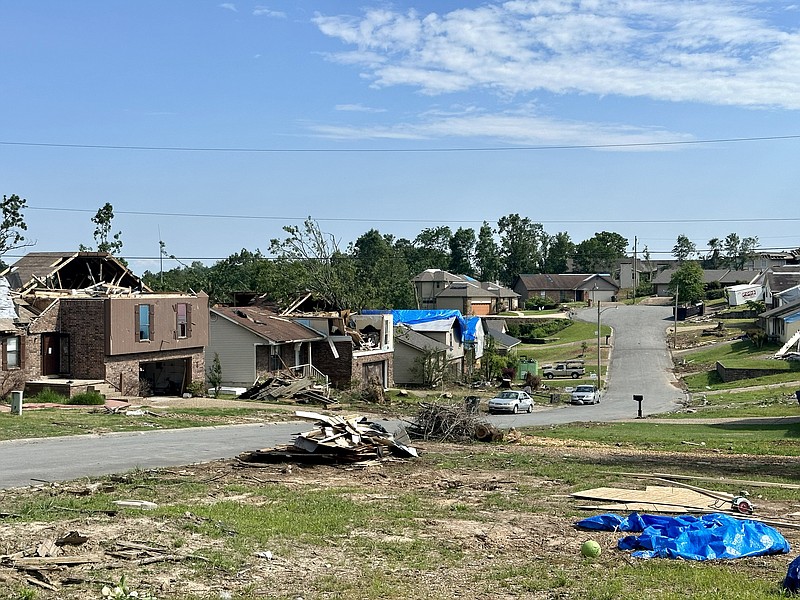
286	386
351	439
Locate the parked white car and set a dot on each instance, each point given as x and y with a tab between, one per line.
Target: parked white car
585	394
512	401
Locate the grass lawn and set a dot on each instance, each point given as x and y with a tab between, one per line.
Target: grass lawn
772	402
452	524
53	422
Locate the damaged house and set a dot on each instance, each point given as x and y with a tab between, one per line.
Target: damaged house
85	320
332	347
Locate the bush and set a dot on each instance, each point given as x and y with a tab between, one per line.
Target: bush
48	396
87	399
715	294
543	329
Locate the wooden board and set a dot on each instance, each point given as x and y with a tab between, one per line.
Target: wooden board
671	496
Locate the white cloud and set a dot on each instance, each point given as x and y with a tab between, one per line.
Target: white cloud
358	108
514	127
717	52
263	11
228	6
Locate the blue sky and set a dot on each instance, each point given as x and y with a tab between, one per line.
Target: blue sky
211	125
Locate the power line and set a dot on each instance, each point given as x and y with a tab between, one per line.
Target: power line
397	220
401	150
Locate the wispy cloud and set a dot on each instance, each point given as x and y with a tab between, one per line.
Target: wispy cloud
358	108
229	6
263	11
718	53
514	127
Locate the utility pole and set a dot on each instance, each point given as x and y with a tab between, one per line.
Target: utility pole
675	333
599	379
635	270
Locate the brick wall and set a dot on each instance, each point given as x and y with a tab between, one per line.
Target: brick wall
339	370
263	362
731	374
123	371
357	372
84	320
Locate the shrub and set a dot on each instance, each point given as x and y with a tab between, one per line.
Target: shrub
715	294
87	399
48	396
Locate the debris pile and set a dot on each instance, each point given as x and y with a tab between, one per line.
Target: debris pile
351	439
451	423
287	386
55	563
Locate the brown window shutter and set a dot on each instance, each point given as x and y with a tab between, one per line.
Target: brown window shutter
188	320
152	321
21	344
137	326
5	356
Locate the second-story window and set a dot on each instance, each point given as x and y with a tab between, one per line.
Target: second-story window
183	320
144	322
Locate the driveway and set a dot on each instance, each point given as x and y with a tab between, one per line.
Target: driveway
640	364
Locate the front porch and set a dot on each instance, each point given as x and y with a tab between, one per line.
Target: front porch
68	387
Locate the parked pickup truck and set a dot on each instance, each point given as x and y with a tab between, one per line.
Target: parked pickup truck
564	369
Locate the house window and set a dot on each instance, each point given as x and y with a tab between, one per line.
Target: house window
11	353
144	322
183	320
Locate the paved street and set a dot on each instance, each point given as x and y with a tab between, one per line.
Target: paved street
640	365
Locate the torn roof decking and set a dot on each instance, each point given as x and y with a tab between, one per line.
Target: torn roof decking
69	271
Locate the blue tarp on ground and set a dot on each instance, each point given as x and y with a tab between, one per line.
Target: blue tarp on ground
713	536
792	581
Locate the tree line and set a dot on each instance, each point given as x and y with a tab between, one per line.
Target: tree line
376	269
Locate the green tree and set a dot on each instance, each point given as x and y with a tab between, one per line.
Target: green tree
558	253
713	259
105	240
599	253
487	254
683	249
214	375
312	259
462	250
13	224
687	283
383	278
738	251
433	248
521	243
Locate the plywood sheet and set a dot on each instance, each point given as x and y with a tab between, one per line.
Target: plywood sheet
660	495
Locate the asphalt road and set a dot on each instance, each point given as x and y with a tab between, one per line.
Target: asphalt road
640	364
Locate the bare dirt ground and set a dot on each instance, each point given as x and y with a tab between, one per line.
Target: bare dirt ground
490	533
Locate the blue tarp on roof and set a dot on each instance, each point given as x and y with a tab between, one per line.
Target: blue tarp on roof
415	317
712	536
792	318
471	328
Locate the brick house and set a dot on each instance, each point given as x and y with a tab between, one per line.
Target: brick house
87	320
566	287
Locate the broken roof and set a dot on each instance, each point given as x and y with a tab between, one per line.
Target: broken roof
69	270
268	325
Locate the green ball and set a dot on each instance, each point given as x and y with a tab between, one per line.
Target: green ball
590	549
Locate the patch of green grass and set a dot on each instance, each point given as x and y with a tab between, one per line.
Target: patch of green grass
709	380
87	399
740	349
771	402
46	396
54	422
739	438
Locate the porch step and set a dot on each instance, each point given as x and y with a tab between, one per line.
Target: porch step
108	390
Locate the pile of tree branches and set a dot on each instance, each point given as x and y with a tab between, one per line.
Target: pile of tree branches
451	422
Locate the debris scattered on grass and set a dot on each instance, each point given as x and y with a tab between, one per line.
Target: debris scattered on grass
451	423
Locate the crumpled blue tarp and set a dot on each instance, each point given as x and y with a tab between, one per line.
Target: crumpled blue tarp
712	536
792	581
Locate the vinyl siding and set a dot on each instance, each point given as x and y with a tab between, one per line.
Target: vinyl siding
236	349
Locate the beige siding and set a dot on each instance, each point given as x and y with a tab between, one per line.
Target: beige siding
403	363
121	315
236	349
